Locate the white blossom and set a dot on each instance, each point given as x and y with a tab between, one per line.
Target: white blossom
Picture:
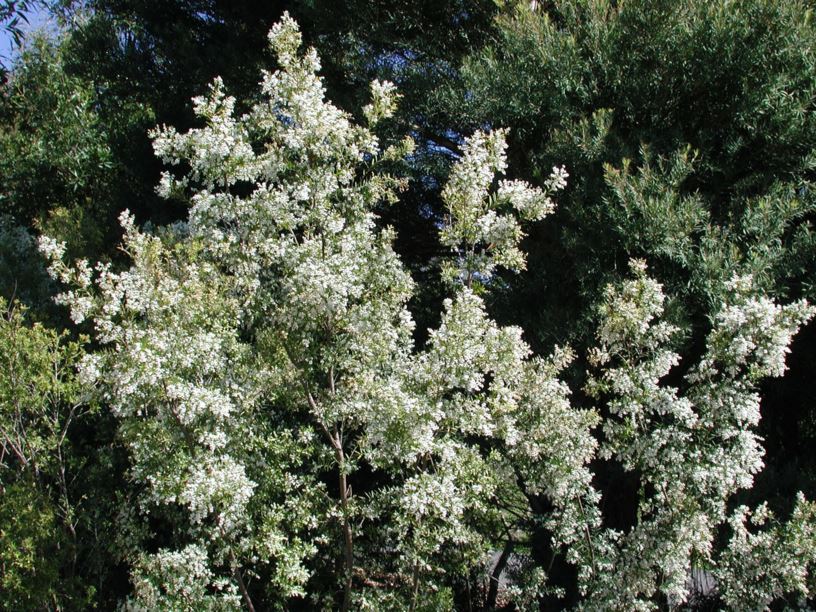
383	102
477	230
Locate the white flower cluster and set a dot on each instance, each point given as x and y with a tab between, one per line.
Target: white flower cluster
384	99
181	383
769	559
531	203
754	332
480	234
219	154
218	485
78	276
180	580
692	450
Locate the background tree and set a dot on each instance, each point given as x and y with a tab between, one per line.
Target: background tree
58	171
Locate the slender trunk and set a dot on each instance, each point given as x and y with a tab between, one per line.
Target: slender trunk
348	541
240	580
67	510
495	575
415	589
236	572
336	440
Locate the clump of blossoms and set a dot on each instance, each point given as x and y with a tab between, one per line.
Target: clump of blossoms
487	387
186	391
766	559
479	228
692	448
180	580
287	440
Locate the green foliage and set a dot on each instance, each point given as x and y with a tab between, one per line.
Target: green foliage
40	400
675	118
13	13
54	157
30	556
40	392
22	270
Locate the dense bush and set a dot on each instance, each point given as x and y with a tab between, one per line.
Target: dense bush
256	419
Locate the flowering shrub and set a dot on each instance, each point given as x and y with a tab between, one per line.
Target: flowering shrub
288	440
